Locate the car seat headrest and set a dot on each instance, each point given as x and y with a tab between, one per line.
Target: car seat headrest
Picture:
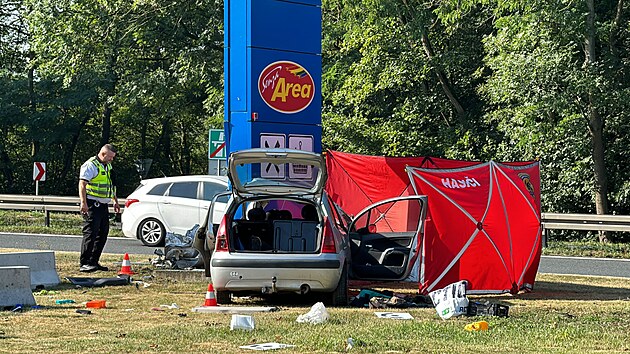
256	214
309	212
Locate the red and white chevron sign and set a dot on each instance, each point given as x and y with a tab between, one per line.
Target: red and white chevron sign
39	171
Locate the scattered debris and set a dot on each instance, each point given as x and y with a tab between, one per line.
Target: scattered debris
387	299
179	252
243	322
171	306
394	315
64	301
476	308
477	326
351	343
83	312
266	346
316	315
96	304
451	300
95	282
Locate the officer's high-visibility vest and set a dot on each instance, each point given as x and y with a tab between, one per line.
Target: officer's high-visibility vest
101	186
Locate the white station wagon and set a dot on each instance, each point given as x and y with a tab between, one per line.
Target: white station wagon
170	204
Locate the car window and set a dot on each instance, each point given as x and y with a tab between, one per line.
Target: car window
183	190
211	189
341	218
159	189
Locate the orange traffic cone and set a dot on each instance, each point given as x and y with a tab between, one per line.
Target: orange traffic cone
210	298
126	266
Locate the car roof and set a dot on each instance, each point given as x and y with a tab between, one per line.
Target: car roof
222	179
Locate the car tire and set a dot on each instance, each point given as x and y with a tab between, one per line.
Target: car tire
151	232
223	297
339	297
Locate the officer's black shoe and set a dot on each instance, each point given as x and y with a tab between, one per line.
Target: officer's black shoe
100	267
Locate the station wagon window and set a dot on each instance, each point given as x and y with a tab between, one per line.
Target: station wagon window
159	189
184	190
211	189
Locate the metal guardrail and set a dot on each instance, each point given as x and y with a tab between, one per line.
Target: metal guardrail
585	222
46	204
550	221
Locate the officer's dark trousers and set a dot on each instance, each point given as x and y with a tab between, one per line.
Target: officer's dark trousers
95	230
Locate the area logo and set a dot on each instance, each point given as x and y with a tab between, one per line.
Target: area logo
286	87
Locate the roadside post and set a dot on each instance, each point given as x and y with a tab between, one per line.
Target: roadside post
39	174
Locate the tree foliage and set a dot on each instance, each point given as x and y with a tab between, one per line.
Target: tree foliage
467	79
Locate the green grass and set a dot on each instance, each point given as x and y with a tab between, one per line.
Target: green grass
564	314
35	222
587	249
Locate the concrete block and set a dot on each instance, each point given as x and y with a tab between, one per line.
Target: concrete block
42	264
15	286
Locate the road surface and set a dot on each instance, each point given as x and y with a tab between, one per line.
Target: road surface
121	245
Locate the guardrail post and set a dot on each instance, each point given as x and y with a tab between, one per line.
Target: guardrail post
544	237
47	218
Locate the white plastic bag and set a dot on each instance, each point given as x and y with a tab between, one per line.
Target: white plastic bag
451	300
316	315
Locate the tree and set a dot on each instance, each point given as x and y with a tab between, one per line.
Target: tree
395	82
557	68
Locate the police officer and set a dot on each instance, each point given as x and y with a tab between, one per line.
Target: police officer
96	191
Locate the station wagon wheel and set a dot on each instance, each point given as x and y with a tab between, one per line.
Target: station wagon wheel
223	297
151	232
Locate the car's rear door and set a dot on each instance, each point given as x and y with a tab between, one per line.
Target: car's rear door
180	207
385	239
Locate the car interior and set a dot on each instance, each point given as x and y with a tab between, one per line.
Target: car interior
381	247
277	226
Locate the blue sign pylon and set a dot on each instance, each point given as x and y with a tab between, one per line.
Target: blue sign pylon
272	74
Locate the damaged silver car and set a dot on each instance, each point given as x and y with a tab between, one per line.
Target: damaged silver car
282	233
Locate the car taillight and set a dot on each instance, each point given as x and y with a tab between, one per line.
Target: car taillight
222	238
128	202
329	238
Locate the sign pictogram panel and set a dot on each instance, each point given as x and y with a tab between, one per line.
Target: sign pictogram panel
304	143
268	170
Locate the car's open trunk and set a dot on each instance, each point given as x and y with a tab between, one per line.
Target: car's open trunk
277	230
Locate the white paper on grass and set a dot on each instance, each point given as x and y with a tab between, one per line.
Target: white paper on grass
394	315
266	346
451	300
242	322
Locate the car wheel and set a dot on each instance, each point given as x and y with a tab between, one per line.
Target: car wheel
151	232
223	297
339	297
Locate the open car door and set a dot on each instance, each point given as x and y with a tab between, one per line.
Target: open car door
205	236
385	239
